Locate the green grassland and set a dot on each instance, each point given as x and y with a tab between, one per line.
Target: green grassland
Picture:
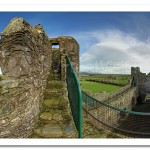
122	79
96	87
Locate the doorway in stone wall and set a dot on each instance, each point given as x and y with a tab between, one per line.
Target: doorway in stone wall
56	58
1	74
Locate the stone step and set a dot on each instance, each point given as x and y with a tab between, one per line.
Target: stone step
55	121
54	90
49	131
58	102
55	115
52	115
54	76
55	84
53	93
55	130
50	95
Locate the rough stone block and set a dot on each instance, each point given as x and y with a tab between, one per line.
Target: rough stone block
46	115
52	131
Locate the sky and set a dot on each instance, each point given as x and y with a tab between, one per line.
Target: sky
110	42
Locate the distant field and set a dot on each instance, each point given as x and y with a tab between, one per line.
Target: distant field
105	82
120	80
98	87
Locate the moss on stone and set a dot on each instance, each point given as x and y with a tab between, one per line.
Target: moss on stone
54	86
46	115
53	90
52	131
57	116
52	103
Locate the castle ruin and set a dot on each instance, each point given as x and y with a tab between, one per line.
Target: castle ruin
33	94
142	81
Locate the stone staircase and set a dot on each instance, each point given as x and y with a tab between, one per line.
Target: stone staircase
55	119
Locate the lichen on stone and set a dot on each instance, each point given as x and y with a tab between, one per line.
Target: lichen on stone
15	25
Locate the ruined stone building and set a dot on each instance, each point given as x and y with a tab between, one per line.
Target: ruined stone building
33	94
142	81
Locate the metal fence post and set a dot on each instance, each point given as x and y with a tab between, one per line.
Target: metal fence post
74	95
86	105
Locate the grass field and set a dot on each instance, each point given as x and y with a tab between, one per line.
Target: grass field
114	79
98	87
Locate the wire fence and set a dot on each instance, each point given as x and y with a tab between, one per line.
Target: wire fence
127	122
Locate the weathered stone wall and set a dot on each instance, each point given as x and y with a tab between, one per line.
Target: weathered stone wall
109	116
28	61
56	60
67	46
25	60
142	80
138	75
125	100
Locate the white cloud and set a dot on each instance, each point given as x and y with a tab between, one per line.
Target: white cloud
85	57
115	52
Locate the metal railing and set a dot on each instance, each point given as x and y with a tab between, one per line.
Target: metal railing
74	95
127	122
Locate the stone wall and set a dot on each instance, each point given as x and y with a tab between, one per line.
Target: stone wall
56	60
67	46
142	80
125	100
25	61
110	116
138	75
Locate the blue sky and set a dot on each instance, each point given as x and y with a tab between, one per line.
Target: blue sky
110	42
